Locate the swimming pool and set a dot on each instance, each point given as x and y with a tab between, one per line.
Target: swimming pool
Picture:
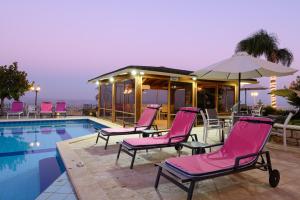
28	158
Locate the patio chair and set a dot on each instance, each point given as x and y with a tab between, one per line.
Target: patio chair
46	108
145	122
31	109
17	108
243	150
209	126
179	132
257	111
284	127
243	108
61	108
212	116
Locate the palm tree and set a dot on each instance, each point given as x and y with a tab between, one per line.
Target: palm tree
262	43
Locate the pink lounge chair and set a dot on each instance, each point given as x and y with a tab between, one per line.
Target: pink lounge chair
243	150
145	122
46	108
61	108
179	132
17	108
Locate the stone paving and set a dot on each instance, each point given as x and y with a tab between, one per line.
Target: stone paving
99	176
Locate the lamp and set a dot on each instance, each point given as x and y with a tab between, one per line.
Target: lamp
254	95
36	89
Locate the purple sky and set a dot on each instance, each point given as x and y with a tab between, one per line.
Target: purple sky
62	44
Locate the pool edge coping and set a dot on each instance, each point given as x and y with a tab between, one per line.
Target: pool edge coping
83	182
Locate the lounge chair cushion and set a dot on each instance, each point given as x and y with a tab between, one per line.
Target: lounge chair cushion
60	107
121	131
16	107
245	138
181	126
136	142
46	107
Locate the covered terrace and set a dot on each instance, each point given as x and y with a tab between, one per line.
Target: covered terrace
124	93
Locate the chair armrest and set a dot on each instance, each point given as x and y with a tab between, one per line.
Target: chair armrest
215	145
174	137
135	127
126	124
238	159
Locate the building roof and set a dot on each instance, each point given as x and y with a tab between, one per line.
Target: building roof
161	69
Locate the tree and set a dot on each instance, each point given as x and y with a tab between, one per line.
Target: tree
13	83
262	43
292	94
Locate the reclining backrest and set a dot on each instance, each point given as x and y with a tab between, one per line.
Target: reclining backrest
183	122
17	106
46	106
248	135
148	115
60	106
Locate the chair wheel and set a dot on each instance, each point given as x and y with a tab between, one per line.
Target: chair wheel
274	178
178	147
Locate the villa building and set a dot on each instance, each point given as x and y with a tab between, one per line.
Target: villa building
125	92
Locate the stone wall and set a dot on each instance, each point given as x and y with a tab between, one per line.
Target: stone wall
292	134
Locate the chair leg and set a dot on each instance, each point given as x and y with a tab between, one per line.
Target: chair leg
106	142
133	158
205	135
157	177
220	134
97	137
284	137
120	148
191	191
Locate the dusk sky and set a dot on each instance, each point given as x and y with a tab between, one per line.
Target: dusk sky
62	44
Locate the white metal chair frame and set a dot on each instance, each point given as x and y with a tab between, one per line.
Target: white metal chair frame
257	111
285	124
31	109
207	126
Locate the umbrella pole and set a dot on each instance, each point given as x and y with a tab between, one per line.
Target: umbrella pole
245	96
239	93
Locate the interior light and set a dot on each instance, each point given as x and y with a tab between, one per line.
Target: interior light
133	72
97	83
142	73
194	78
111	79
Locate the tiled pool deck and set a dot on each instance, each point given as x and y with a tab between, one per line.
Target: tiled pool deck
95	174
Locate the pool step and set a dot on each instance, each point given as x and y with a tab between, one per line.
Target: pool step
49	171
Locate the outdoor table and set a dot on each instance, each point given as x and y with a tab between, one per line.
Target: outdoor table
152	132
198	147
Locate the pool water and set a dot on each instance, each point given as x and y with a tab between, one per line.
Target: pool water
29	162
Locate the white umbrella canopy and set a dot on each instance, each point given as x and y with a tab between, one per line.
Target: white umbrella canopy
243	66
253	87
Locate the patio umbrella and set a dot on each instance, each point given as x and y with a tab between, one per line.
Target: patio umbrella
248	87
243	66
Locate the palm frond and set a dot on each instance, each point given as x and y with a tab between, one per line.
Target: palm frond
259	43
284	56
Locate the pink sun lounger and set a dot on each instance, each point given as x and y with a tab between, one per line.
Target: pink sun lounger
46	108
17	108
145	122
61	108
243	150
179	132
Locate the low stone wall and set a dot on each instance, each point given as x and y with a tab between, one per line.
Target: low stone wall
292	134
